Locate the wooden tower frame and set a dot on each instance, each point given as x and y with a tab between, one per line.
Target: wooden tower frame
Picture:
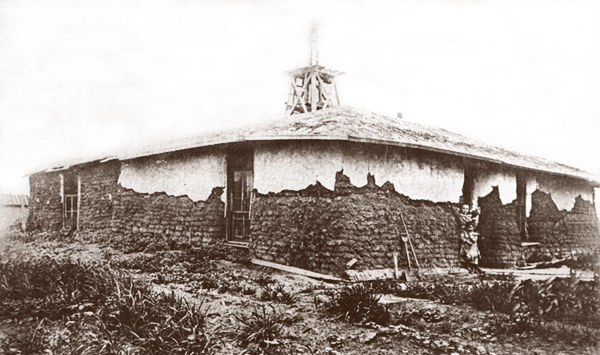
312	88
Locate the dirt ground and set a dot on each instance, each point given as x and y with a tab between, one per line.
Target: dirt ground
431	328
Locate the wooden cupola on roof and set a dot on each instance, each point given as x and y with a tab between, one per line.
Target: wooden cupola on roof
312	87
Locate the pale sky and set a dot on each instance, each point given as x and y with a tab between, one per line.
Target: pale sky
81	77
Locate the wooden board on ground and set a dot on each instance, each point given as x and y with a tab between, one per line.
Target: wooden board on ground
542	274
297	270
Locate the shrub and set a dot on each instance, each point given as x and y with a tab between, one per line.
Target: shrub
492	295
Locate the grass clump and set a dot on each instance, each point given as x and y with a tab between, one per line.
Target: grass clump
261	331
358	303
51	288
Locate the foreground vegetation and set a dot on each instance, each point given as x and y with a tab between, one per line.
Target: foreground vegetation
529	304
105	310
126	303
516	306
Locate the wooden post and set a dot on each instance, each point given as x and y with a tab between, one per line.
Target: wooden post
62	188
407	255
414	254
23	216
304	93
410	241
62	197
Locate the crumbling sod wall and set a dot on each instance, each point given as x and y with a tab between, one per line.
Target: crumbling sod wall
562	233
107	206
500	238
98	195
321	230
317	228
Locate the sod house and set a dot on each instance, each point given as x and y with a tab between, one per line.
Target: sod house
324	185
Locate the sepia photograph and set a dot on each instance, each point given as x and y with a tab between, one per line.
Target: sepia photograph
330	177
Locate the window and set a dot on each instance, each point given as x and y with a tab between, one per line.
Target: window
70	186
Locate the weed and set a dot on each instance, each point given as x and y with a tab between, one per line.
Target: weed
248	291
278	293
210	281
446	327
263	280
317	302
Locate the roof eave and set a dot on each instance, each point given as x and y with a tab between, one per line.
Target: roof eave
594	182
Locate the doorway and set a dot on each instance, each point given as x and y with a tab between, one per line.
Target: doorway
240	183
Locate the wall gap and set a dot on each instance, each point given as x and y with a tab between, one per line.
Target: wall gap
522	205
469	186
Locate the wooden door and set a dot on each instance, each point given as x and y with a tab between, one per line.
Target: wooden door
240	204
240	186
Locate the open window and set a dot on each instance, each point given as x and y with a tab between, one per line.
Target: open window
240	183
70	193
